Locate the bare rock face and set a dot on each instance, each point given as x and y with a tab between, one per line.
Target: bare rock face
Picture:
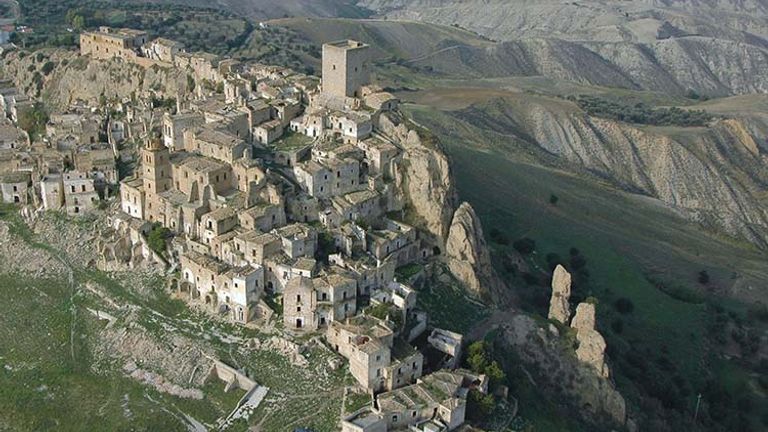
591	348
559	308
77	77
423	178
467	253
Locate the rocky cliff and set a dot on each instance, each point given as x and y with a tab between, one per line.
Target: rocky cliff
468	256
591	349
595	397
75	77
426	187
559	308
423	177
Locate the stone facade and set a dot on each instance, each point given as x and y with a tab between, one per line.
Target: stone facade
345	69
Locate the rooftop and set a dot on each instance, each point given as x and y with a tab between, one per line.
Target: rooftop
348	44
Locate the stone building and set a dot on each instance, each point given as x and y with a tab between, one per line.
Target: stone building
377	359
80	194
162	49
108	43
174	126
15	187
345	69
234	291
52	191
314	303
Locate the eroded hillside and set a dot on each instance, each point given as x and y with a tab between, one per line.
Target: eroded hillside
712	175
715	48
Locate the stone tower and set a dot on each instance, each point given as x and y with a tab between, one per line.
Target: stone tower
345	68
156	167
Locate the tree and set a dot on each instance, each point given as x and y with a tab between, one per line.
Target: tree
479	406
33	119
495	374
703	277
624	305
78	22
553	199
156	238
477	356
524	245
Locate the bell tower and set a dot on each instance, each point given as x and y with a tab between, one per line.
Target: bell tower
156	166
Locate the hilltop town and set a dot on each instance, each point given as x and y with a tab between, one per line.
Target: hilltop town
278	200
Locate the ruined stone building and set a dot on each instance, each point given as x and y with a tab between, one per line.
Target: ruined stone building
436	402
377	358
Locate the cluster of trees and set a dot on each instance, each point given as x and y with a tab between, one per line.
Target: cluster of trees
641	113
480	359
33	120
157	237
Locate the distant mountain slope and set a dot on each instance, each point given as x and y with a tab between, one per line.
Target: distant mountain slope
269	9
712	47
676	66
714	175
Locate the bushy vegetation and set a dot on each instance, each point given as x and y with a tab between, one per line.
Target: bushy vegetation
157	237
641	113
33	120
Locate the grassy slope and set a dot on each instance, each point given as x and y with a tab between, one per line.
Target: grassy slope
629	243
388	39
48	383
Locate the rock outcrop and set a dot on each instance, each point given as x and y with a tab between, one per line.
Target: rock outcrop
591	348
594	397
423	179
559	308
468	256
75	77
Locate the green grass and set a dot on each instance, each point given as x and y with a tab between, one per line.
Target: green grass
408	271
48	378
43	386
308	397
449	306
356	401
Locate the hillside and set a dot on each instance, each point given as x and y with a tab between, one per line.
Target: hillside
713	48
712	175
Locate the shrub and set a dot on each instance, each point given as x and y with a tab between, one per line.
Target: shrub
524	245
499	237
47	67
624	305
641	113
703	277
617	326
553	199
479	406
157	237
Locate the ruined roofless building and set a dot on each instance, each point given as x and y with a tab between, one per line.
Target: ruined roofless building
345	68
